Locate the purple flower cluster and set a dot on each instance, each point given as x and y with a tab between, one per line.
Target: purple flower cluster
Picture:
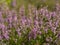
38	21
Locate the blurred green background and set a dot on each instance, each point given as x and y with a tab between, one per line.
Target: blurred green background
36	3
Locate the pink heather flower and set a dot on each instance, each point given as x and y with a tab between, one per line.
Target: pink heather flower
35	11
47	39
23	21
41	22
6	36
36	23
0	14
53	29
4	31
41	11
28	22
56	23
15	18
2	26
36	15
33	33
9	19
50	23
53	14
0	37
57	6
18	31
47	14
14	3
46	29
22	11
9	25
39	32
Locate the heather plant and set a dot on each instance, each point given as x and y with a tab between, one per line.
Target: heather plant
29	27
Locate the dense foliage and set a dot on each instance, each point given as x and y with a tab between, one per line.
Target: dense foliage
29	24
